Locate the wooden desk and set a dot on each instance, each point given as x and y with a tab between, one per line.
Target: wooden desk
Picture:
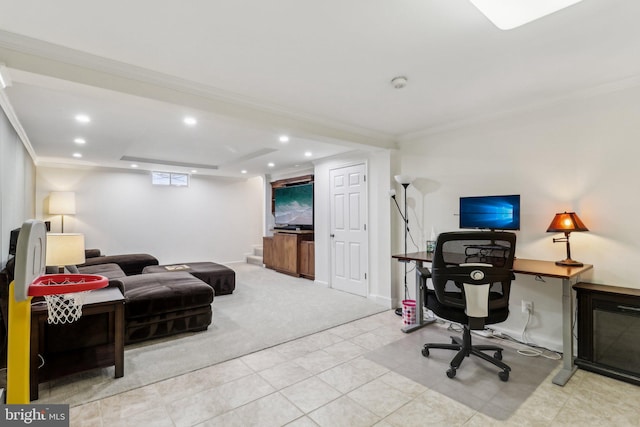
95	340
533	267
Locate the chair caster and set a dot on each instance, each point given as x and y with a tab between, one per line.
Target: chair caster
497	355
425	352
504	375
451	372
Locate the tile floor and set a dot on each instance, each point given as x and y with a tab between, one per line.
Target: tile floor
324	380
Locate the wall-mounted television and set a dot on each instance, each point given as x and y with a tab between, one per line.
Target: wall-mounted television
490	212
294	207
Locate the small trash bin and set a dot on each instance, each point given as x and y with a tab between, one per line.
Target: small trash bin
408	311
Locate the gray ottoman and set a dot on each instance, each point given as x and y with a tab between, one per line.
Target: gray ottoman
221	278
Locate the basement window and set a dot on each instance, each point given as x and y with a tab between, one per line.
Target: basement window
170	178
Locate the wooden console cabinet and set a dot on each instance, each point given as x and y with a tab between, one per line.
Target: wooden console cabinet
290	252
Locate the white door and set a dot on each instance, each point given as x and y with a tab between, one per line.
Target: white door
349	236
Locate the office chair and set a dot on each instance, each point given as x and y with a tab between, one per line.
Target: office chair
471	274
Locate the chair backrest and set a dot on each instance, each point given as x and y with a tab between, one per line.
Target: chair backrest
474	258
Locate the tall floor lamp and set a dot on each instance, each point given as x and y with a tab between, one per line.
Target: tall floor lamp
405	181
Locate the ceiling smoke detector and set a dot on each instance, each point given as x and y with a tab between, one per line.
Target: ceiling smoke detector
399	82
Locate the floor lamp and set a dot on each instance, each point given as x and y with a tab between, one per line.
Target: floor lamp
62	203
405	181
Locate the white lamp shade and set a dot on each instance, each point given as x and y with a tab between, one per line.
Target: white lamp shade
62	203
65	249
403	179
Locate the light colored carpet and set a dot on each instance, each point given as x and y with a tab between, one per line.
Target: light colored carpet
476	383
266	309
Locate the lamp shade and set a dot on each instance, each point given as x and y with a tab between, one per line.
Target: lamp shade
566	222
62	203
403	179
65	249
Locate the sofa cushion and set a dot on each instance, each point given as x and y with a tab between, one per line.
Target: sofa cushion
110	271
151	294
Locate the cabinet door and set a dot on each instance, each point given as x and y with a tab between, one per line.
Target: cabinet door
267	251
307	259
288	252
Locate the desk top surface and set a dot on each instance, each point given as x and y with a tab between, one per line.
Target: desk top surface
533	267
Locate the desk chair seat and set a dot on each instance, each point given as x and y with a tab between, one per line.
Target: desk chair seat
471	275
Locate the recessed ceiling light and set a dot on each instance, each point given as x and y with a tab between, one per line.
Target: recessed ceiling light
134	165
308	154
284	138
83	118
243	171
508	14
80	141
190	121
77	155
271	164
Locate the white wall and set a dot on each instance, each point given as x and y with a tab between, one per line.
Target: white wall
119	211
577	155
17	185
378	166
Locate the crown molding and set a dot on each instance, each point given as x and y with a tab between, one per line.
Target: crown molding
581	94
17	126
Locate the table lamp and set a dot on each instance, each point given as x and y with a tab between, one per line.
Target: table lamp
62	203
566	222
64	249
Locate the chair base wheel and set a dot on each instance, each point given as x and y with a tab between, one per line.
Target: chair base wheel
451	372
425	352
497	355
504	375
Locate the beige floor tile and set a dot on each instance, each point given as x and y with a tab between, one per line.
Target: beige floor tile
347	331
302	422
403	384
431	408
225	372
157	417
270	411
371	341
197	408
345	350
344	412
125	405
242	391
317	361
346	377
86	415
263	359
310	394
285	374
379	398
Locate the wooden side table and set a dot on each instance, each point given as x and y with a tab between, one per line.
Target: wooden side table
96	340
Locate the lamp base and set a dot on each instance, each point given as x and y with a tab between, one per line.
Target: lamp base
569	263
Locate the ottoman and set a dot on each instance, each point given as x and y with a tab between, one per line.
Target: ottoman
221	278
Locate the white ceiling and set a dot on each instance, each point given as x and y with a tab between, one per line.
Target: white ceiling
317	71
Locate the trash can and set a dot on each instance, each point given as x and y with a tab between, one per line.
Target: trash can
408	311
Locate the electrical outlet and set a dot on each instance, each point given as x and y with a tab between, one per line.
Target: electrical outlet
527	306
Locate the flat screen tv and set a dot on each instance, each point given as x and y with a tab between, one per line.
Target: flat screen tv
294	206
490	212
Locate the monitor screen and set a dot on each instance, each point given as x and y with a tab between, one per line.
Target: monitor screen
490	212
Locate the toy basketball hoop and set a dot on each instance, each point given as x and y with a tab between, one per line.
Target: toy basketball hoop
64	294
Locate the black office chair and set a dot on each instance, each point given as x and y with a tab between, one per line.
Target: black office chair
471	274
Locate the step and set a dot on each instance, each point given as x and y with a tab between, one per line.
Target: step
254	259
258	251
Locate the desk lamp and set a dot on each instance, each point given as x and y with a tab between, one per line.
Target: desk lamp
64	249
566	222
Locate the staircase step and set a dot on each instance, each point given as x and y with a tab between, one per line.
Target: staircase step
254	259
258	251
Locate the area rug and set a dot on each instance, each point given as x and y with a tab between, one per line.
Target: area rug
476	383
266	309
